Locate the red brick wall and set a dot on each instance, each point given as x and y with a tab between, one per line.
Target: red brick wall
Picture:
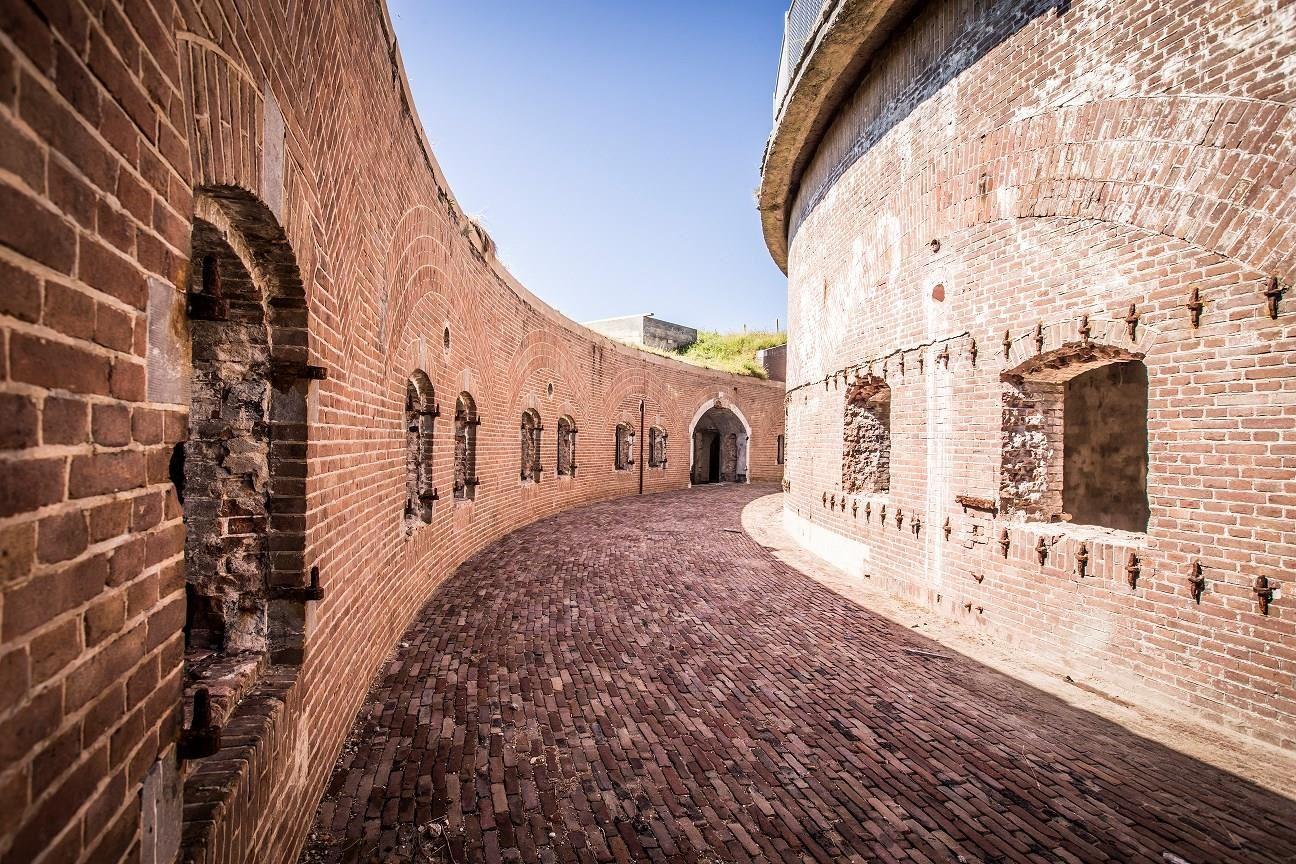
117	120
1006	167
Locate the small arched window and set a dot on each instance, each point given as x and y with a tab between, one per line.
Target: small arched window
656	447
420	412
625	438
465	456
531	429
566	447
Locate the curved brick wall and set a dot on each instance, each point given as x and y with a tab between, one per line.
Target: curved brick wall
1002	171
293	137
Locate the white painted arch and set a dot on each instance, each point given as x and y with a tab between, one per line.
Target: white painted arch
720	400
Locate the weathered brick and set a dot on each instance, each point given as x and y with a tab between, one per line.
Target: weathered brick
18	421
46	363
27	484
110	425
101	473
54	649
65	421
45	597
104	618
22	295
39	233
62	536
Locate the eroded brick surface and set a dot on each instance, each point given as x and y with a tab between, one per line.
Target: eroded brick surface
659	687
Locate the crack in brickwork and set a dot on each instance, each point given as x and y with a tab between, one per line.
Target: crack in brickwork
659	687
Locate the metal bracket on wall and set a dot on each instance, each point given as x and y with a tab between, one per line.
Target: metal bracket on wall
1041	550
1196	581
1264	591
202	738
1132	570
208	303
1131	321
284	374
302	593
1273	294
1195	306
1082	560
1004	542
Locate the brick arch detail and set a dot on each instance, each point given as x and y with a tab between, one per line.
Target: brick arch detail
543	349
1043	148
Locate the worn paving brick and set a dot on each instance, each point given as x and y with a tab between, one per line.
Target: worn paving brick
640	680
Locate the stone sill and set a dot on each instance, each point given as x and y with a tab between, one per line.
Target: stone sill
1133	540
213	782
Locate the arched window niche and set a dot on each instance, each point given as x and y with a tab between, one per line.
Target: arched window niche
421	412
625	440
465	455
656	447
531	431
566	462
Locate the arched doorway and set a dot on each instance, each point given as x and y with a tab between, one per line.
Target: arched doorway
720	437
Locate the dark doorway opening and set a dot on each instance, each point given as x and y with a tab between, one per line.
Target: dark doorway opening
713	474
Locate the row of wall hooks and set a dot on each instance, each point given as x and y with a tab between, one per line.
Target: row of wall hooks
1274	291
1264	589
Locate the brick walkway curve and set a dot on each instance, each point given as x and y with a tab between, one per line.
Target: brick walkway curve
639	680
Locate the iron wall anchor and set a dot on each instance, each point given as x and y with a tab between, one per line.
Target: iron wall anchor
1132	570
1196	581
202	738
1264	591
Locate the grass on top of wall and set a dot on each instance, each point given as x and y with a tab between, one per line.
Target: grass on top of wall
730	352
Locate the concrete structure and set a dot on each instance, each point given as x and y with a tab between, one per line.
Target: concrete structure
262	387
1042	334
774	361
645	330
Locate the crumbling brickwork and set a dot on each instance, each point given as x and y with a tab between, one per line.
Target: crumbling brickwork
566	461
1014	197
625	444
866	436
656	447
149	151
421	411
530	446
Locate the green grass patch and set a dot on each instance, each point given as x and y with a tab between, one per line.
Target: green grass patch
729	352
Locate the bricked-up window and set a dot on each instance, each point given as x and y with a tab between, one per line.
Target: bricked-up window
656	447
465	454
531	431
780	451
1075	443
625	439
420	414
566	447
244	469
866	436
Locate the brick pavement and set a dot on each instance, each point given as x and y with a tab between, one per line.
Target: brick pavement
640	680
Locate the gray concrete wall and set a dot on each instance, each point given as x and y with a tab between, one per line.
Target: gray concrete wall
774	360
645	330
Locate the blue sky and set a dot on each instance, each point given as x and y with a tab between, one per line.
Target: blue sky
611	148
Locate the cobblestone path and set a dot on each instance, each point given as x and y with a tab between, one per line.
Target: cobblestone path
639	680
